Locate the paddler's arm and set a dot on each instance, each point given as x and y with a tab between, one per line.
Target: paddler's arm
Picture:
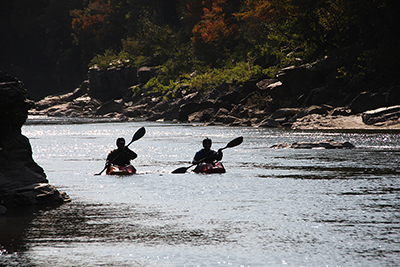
218	155
197	157
132	155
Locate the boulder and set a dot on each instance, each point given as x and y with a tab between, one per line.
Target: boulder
186	109
322	110
135	111
39	193
381	115
295	78
393	96
221	112
367	101
227	119
318	96
217	91
325	144
109	107
201	116
285	112
267	123
232	97
278	90
263	84
340	111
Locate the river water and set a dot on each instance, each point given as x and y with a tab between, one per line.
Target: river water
271	208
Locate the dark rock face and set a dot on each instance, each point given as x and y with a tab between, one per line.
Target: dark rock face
13	105
111	84
393	96
367	101
18	171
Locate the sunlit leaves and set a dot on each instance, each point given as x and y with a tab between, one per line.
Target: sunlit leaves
213	26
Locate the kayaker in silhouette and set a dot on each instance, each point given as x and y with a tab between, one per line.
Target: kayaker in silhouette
207	155
121	156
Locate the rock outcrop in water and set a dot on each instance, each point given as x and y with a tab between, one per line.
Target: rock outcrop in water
324	144
22	181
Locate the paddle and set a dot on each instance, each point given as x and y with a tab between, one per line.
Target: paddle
139	134
235	142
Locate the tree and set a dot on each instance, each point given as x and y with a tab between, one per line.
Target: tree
214	26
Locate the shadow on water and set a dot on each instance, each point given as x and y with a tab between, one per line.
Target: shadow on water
76	222
14	226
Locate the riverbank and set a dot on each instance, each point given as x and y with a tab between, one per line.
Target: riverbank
352	122
305	97
191	108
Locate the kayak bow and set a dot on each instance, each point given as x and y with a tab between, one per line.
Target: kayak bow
121	170
210	168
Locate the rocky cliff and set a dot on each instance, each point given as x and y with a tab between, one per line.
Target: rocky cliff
22	181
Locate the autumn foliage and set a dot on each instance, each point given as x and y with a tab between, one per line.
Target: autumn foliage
185	35
213	26
91	19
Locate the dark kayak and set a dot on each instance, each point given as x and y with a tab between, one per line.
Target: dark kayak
121	170
210	168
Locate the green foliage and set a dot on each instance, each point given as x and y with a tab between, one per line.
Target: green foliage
110	59
204	82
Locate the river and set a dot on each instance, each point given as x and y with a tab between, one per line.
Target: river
273	207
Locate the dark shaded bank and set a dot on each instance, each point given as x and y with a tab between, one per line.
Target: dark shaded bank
306	97
22	181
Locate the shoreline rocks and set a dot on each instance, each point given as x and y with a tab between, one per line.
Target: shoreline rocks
305	97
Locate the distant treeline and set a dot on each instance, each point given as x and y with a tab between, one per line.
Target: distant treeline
50	43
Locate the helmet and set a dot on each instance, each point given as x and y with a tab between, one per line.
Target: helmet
207	140
120	141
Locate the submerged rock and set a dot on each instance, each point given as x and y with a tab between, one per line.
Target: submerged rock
325	144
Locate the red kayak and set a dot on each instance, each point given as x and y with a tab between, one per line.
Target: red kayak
210	168
121	170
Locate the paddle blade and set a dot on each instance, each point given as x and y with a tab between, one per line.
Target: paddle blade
105	167
181	170
139	134
235	142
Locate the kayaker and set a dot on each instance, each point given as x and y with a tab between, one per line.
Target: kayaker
122	155
206	154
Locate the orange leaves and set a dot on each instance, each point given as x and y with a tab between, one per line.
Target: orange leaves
268	11
90	20
256	9
213	26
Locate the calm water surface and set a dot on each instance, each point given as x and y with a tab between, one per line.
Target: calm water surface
271	208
